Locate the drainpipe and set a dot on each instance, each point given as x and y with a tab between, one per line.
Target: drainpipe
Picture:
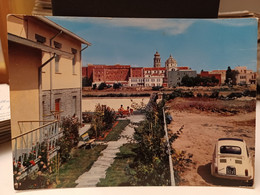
51	93
40	86
80	102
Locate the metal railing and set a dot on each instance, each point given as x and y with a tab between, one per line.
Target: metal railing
169	150
32	141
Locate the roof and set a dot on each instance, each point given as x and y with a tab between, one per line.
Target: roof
183	68
235	139
155	68
218	71
108	66
58	27
33	44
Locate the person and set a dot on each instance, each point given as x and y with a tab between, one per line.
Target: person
128	111
121	110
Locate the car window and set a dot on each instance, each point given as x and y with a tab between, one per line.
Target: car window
230	150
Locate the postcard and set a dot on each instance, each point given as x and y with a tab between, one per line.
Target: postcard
100	102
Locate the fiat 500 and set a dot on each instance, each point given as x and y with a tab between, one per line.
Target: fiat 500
231	160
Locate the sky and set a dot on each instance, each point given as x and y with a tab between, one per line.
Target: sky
201	44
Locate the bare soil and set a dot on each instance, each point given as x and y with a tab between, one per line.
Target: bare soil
205	121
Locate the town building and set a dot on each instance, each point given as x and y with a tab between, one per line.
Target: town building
45	80
154	76
245	76
175	76
136	78
171	64
209	75
220	72
108	74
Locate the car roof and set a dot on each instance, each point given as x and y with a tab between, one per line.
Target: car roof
235	139
231	141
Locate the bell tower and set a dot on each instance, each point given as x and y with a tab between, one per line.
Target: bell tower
157	60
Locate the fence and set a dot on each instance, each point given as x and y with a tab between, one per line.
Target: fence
169	150
28	146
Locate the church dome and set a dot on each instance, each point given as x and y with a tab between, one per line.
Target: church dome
171	64
171	60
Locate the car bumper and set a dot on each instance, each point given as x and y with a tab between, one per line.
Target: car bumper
233	177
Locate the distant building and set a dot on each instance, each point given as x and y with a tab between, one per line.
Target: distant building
175	77
245	76
221	72
154	76
208	74
171	64
136	78
157	60
108	74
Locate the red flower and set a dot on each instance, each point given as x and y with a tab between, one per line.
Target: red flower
32	162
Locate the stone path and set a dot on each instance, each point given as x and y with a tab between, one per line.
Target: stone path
98	170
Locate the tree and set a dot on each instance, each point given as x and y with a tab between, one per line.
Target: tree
188	81
86	82
117	85
70	138
151	166
102	86
231	76
102	119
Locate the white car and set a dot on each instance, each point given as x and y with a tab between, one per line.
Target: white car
231	160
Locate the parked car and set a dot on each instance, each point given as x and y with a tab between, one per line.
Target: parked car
231	160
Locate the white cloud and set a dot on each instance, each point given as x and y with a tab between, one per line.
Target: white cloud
170	26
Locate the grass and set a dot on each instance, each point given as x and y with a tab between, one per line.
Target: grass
114	135
207	104
81	162
117	173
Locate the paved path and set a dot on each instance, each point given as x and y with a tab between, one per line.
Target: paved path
98	170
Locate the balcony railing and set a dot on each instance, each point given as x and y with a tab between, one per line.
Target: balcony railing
28	146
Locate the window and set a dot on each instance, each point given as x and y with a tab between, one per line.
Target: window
57	105
57	62
44	110
74	105
73	64
57	45
40	39
74	51
230	150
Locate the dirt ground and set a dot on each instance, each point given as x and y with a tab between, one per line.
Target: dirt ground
205	121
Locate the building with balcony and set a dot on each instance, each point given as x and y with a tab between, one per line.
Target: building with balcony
154	76
245	76
45	81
